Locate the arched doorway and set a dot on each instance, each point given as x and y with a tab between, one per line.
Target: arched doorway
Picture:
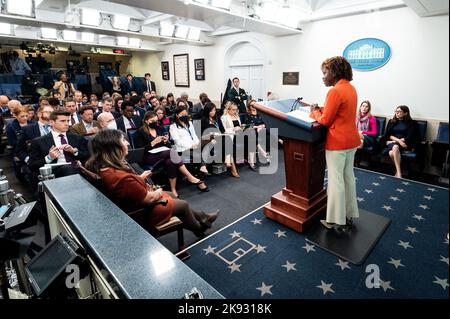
245	60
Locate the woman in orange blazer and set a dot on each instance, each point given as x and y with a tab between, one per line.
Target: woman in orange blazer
338	115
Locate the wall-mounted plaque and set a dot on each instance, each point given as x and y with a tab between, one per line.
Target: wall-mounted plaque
165	70
199	66
290	78
181	69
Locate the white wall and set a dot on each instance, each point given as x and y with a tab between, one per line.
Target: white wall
417	74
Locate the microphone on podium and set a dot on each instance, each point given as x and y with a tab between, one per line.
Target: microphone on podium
300	98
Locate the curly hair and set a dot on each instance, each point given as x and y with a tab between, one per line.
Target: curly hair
339	68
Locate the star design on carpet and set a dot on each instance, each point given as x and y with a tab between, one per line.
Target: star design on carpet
400	190
381	177
428	197
405	183
260	249
442	282
368	191
360	199
388	208
376	184
256	221
234	267
265	289
444	259
394	198
309	247
413	230
235	234
396	262
289	266
342	264
325	287
424	207
209	250
280	233
404	244
418	217
385	285
431	189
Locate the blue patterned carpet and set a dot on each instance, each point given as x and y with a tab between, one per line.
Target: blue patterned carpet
259	258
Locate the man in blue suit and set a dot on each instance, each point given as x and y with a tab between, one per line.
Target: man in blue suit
129	85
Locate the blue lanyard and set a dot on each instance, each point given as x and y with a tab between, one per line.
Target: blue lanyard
189	131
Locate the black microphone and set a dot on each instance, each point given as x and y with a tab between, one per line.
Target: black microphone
299	98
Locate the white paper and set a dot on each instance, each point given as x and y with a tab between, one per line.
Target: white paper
159	149
302	113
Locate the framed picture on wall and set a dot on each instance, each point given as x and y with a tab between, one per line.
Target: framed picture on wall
181	69
165	70
291	78
199	66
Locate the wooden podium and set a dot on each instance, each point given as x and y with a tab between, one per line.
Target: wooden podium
304	200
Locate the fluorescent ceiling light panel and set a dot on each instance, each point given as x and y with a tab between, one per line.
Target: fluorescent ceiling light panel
90	17
288	17
224	4
5	28
181	31
167	29
122	41
202	1
120	21
135	42
194	34
269	11
48	33
22	7
69	35
87	37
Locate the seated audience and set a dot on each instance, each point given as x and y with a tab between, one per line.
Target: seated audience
171	104
58	147
87	124
254	120
20	114
107	106
130	190
128	120
183	134
163	120
401	135
211	132
151	137
197	109
367	125
71	107
106	120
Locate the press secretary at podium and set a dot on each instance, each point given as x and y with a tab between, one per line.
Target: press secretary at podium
342	140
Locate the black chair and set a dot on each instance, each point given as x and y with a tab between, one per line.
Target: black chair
440	149
418	154
367	153
131	134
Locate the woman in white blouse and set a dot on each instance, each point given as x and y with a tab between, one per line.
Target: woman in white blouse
183	135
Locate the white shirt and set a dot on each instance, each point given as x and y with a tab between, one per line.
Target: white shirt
127	123
75	117
183	137
57	140
88	126
42	128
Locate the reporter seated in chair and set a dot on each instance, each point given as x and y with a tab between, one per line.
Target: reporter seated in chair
130	191
151	136
58	147
87	125
401	135
367	125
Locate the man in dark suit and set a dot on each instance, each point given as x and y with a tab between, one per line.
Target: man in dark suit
185	97
71	107
129	85
238	96
149	85
138	110
128	120
58	147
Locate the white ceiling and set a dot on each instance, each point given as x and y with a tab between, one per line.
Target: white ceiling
243	16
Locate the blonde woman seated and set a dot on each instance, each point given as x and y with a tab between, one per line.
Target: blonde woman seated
131	192
185	139
232	125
